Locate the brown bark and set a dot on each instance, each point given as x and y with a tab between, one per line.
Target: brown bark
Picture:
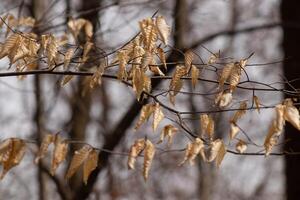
81	104
37	7
291	40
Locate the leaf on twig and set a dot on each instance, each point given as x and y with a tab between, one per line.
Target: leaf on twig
12	152
194	74
176	82
76	25
90	164
69	54
163	28
168	131
158	115
234	130
47	140
213	58
148	158
59	154
257	103
78	159
192	150
217	151
162	57
241	146
223	99
146	111
241	111
188	59
291	113
135	150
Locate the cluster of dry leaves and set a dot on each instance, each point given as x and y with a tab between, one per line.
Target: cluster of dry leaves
137	61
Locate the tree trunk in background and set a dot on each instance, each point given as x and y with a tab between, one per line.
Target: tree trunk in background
81	104
37	9
291	40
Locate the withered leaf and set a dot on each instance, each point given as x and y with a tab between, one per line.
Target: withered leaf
158	115
168	131
47	140
59	154
149	153
192	150
146	111
163	29
90	164
257	103
135	150
233	131
223	99
241	111
12	154
195	74
241	146
78	158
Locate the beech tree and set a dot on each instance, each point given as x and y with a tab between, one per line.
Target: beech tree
137	101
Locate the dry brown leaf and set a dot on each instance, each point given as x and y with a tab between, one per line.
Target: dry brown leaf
241	146
149	34
194	74
271	138
158	116
69	54
146	59
235	76
66	79
176	82
76	25
135	150
221	154
146	111
12	154
156	71
26	21
291	113
188	59
226	72
257	103
192	150
90	164
78	158
149	153
168	131
204	121
47	140
123	59
216	147
96	79
223	99
9	44
59	154
233	131
210	128
213	58
140	82
163	28
5	145
162	57
280	119
241	111
51	49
